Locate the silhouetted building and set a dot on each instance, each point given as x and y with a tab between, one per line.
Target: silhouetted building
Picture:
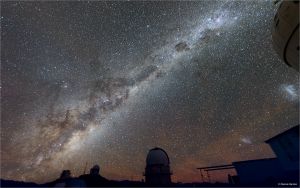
268	172
66	180
94	179
157	171
260	171
284	168
286	147
233	179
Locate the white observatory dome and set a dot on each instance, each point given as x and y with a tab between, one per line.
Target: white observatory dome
285	32
157	156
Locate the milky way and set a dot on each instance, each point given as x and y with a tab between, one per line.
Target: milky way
104	82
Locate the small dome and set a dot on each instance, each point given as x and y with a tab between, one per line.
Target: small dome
157	156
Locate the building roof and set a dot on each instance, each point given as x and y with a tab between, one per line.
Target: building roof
254	160
157	156
293	129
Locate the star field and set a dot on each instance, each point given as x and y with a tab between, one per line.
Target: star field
103	82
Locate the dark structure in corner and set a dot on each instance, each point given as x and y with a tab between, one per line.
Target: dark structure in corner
282	170
285	32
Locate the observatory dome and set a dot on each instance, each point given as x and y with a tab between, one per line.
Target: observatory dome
285	33
157	156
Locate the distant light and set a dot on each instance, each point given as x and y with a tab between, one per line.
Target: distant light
290	92
290	89
246	140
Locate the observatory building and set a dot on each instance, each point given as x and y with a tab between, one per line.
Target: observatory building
157	171
285	32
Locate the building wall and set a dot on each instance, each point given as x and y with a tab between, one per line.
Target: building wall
286	148
258	171
158	175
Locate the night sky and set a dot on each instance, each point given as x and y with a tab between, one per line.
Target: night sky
104	82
